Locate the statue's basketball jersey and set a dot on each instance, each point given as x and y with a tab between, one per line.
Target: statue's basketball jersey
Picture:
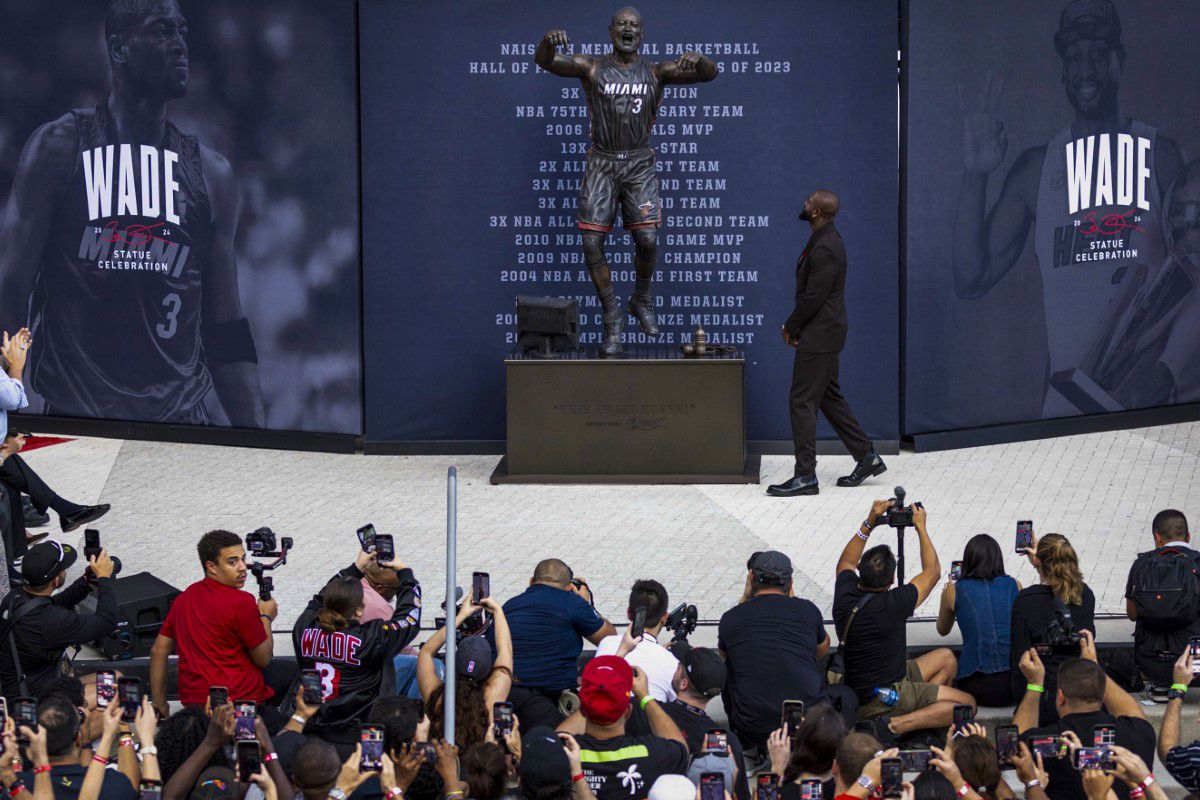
622	104
1098	229
116	308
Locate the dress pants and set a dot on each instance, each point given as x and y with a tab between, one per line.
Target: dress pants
17	476
815	386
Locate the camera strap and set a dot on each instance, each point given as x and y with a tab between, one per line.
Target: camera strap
862	601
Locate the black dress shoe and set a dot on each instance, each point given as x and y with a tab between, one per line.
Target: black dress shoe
33	517
794	487
70	522
869	467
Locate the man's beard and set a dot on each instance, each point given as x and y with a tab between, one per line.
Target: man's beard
805	216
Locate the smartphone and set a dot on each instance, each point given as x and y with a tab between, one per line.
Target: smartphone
91	543
1047	746
245	714
25	715
428	750
715	741
793	715
314	692
129	694
955	570
249	760
502	718
915	760
768	787
1007	744
891	777
963	715
481	586
1104	735
366	537
1024	535
810	789
106	688
150	790
712	786
1195	645
217	696
1093	758
3	714
385	550
370	738
638	626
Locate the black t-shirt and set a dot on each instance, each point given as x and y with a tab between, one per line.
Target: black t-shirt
876	650
67	780
1133	733
1032	614
770	643
625	767
694	723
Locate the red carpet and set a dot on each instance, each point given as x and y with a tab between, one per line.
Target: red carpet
35	442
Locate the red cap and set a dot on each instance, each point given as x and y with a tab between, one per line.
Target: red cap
604	689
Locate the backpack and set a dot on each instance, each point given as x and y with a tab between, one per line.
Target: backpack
1165	586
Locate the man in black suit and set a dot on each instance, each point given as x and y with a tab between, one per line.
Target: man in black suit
817	330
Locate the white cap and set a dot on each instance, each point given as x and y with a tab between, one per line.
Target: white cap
672	787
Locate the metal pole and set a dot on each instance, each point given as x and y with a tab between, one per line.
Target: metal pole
451	638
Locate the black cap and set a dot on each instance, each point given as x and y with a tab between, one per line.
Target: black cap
1089	19
44	561
544	763
705	670
473	658
770	567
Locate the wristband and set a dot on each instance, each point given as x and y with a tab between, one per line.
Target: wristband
126	741
269	757
1033	687
99	759
264	616
300	719
645	700
577	778
1033	783
395	791
964	790
1137	792
1148	781
864	536
1183	687
41	769
148	751
16	789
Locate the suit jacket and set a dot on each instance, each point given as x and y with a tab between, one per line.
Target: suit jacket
819	319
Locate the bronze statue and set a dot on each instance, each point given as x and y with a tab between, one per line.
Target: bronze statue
623	92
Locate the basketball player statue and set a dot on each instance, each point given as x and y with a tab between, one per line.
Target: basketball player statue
1094	195
118	242
623	92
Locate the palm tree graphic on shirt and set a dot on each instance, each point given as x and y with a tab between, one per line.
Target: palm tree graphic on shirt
631	779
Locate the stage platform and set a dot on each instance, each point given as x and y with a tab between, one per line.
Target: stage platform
1100	489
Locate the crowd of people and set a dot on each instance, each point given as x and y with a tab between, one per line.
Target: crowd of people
359	711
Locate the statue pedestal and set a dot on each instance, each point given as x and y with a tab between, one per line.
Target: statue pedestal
649	416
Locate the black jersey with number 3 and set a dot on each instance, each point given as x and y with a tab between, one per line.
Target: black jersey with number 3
116	308
622	104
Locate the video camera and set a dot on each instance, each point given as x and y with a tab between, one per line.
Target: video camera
1060	636
681	622
262	543
897	514
475	624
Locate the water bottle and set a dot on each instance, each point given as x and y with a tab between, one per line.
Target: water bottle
889	696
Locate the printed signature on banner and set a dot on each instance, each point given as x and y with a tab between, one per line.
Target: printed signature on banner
1110	224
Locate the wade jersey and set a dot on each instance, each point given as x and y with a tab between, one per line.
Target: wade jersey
1098	231
622	104
116	308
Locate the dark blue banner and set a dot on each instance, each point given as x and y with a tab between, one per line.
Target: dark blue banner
1053	236
473	159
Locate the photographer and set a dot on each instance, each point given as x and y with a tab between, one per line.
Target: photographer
548	621
1164	621
1182	761
1086	697
651	657
349	654
898	694
1053	612
45	624
771	643
222	633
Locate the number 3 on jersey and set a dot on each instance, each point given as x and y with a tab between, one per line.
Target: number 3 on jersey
330	679
172	303
637	105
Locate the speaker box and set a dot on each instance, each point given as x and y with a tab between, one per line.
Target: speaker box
142	603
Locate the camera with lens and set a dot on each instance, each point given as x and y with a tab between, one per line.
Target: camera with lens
476	623
1060	636
681	622
898	515
262	543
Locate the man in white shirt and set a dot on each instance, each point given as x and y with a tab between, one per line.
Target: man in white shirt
648	655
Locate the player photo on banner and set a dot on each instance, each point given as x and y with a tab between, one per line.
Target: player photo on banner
180	224
1053	238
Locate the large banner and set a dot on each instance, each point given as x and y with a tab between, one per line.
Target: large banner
1052	226
473	163
180	228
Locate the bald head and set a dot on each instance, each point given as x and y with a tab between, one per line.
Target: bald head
626	11
827	201
384	580
553	571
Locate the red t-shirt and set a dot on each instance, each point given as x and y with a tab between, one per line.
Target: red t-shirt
215	627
